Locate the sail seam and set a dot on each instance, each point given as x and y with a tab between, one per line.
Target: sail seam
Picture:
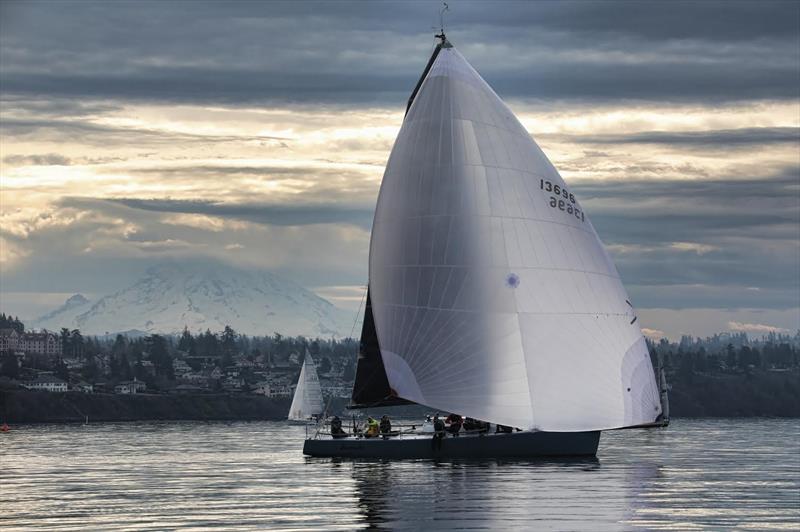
605	314
490	267
421	216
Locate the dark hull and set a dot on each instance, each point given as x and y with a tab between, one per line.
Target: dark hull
517	445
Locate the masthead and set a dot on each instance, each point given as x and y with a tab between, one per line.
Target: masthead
441	34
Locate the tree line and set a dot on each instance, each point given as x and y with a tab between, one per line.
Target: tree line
7	322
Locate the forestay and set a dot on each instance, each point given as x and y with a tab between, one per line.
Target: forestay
307	400
491	292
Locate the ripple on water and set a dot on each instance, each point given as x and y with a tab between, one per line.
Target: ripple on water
698	474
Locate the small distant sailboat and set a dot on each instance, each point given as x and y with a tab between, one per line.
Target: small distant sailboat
307	403
490	293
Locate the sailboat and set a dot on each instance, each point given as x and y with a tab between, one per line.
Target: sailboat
490	293
307	402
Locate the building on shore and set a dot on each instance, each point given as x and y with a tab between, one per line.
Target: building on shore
130	387
42	343
9	339
46	382
83	387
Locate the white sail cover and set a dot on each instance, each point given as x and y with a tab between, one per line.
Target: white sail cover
492	294
307	400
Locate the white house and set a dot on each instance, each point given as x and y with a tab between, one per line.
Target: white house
46	383
180	367
281	391
130	387
84	387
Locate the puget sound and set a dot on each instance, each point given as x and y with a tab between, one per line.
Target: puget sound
698	474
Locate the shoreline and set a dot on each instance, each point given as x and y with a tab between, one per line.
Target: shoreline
700	396
26	406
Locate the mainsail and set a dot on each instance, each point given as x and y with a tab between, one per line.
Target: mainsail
491	293
307	400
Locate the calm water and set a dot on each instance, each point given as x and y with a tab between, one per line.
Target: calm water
702	474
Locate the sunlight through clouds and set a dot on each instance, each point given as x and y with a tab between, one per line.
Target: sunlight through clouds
233	140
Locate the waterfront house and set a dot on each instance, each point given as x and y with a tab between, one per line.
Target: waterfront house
130	387
47	383
278	391
83	387
180	367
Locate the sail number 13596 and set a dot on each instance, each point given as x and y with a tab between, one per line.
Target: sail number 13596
562	199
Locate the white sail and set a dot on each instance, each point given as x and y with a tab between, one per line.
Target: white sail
307	399
492	294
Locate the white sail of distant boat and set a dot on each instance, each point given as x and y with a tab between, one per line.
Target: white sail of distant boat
490	293
307	400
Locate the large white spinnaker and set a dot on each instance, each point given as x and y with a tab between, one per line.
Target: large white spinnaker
307	401
491	292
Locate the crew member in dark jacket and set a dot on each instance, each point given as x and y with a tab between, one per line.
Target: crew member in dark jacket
438	433
386	425
336	428
455	422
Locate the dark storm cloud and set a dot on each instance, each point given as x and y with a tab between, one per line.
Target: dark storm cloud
365	52
734	233
700	139
270	214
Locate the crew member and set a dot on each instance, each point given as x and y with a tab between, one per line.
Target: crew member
470	424
455	422
386	425
336	428
438	433
372	428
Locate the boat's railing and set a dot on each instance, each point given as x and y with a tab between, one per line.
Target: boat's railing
322	429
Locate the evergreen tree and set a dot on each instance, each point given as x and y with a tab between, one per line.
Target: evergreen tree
62	372
90	370
76	343
9	365
186	342
229	340
159	356
66	345
730	357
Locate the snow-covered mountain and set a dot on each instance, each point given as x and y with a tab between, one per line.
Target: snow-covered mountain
73	306
171	296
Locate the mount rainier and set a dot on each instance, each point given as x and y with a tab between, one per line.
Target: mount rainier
170	297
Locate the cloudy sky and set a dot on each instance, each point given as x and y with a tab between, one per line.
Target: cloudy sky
255	134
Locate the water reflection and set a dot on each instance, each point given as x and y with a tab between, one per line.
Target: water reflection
575	494
703	474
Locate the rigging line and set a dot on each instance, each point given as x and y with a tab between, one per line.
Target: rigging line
353	328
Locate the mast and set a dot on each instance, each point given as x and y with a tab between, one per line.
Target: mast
664	389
